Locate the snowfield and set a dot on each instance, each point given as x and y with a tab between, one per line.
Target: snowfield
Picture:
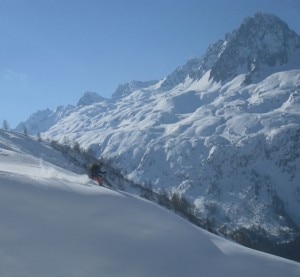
54	222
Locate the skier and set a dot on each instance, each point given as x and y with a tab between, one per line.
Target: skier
95	172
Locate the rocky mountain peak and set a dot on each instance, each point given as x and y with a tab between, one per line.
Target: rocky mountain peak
124	90
261	41
90	98
195	67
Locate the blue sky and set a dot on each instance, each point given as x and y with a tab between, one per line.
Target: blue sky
52	51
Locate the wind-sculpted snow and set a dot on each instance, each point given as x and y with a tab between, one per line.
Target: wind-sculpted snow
59	224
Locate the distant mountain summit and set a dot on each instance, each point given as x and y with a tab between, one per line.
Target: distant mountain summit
43	120
90	98
127	88
262	42
261	45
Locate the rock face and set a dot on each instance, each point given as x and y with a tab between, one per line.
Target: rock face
90	98
43	120
262	42
125	89
195	68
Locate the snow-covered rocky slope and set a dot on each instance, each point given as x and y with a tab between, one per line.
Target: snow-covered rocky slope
222	130
54	223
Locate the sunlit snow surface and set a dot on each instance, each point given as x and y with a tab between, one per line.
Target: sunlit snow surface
53	222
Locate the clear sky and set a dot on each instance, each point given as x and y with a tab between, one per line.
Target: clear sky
52	51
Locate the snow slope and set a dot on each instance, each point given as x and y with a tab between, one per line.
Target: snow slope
54	223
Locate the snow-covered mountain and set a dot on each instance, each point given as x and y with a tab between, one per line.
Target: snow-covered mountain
263	44
222	131
125	89
90	98
43	120
54	222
